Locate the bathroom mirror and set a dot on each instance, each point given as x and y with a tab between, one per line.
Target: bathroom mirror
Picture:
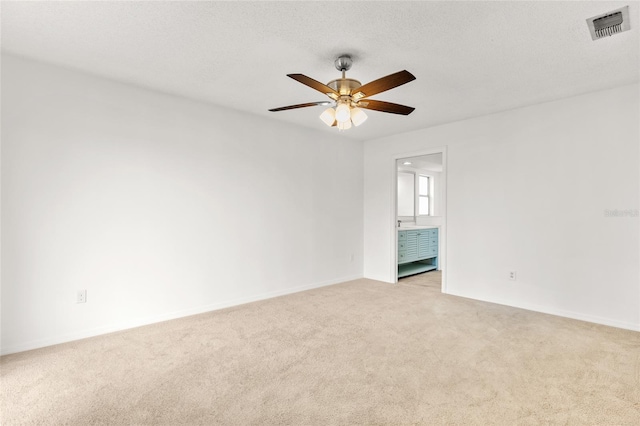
406	193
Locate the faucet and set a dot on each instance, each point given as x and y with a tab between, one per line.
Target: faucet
399	221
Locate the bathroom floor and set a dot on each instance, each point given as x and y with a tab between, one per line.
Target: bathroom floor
431	279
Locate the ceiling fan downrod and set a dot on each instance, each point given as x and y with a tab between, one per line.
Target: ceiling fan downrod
344	86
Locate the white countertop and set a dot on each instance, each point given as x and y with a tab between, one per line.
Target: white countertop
410	228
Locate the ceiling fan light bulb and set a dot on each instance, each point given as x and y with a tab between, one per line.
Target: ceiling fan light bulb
328	116
342	113
358	116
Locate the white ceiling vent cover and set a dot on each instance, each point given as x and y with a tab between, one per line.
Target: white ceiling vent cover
609	23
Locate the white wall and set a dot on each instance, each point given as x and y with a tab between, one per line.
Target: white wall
527	190
159	206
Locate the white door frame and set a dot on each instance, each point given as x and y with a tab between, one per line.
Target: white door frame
393	224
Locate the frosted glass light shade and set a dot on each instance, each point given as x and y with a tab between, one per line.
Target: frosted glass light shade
358	116
328	116
344	125
342	113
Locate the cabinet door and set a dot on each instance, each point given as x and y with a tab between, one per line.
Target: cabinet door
423	244
412	246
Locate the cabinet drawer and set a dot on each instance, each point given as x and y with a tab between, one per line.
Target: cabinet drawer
402	235
402	245
433	250
402	256
433	233
433	241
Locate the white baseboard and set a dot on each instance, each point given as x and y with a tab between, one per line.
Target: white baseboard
36	344
553	311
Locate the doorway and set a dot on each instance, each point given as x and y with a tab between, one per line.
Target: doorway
420	218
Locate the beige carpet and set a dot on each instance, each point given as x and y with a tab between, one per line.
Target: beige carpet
358	353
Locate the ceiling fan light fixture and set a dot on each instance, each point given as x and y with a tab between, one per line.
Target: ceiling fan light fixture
328	116
358	116
343	114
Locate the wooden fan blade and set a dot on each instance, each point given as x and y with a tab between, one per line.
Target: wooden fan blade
314	84
382	84
386	107
308	104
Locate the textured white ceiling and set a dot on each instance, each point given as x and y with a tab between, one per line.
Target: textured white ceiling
470	58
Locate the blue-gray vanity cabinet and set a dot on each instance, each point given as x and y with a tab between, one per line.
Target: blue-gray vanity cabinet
417	251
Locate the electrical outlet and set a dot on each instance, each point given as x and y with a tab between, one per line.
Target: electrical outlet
82	296
512	275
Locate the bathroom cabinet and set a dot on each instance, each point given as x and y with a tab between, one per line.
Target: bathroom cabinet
417	251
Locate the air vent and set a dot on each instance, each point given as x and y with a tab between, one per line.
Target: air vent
609	23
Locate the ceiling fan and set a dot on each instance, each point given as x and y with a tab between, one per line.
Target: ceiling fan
349	96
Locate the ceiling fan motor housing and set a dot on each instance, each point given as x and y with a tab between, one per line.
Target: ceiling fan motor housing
344	86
